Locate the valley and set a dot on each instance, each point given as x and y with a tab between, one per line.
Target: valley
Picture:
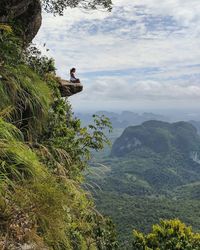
150	173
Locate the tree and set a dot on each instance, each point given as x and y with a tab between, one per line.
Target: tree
170	235
58	6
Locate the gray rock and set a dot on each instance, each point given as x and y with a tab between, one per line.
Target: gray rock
26	12
68	88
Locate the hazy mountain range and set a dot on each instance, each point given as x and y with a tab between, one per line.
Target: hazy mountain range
123	119
129	118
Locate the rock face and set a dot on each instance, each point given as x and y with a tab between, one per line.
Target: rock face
68	89
26	12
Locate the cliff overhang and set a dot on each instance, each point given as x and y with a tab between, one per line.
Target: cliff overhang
68	88
26	13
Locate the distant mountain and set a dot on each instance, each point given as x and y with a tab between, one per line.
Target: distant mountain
154	158
123	119
159	137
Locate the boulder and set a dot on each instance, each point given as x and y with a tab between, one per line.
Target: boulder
68	88
27	13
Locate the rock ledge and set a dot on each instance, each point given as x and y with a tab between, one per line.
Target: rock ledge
68	88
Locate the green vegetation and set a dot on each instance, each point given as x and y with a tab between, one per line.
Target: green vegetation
58	6
160	137
171	235
43	151
130	212
152	173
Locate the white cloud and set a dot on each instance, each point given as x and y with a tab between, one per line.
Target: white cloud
184	11
110	93
137	34
125	89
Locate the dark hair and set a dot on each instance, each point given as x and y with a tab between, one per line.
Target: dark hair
73	69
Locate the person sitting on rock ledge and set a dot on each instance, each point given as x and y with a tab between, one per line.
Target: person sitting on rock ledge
72	76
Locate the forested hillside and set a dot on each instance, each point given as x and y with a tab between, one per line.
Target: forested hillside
159	137
152	173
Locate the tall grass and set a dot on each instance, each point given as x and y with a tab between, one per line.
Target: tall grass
37	206
27	95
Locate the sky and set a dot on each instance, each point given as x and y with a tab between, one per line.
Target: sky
144	55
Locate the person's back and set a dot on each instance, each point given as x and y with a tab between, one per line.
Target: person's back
72	76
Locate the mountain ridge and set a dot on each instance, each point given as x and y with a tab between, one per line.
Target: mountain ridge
159	136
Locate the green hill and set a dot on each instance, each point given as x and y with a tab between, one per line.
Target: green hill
152	172
153	158
159	137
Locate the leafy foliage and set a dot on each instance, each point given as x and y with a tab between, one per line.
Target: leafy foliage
171	235
130	212
13	53
58	6
10	46
68	142
39	63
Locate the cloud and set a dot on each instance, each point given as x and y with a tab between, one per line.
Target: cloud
124	89
112	94
143	50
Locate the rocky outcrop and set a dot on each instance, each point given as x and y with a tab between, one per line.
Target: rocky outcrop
27	13
68	88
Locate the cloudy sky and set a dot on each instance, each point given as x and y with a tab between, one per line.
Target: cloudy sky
145	55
